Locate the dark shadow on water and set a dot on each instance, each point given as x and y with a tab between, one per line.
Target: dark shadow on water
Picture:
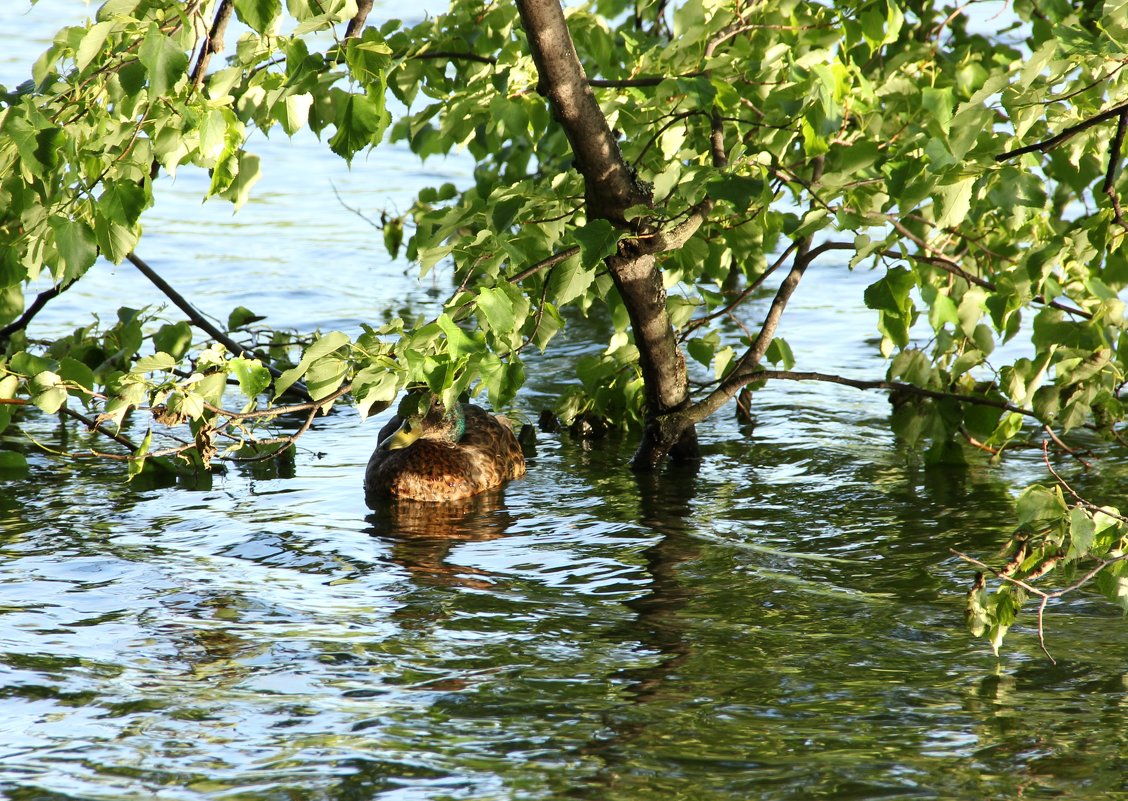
422	534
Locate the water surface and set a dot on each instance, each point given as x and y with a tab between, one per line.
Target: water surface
782	622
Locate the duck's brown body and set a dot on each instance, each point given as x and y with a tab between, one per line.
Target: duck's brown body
485	456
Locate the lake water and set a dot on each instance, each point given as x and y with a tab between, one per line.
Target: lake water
782	622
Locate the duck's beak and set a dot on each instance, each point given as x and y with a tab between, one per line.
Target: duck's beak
403	436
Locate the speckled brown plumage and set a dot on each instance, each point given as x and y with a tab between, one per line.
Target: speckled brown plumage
486	456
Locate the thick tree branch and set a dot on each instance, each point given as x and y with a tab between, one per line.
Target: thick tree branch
673	238
693	325
750	360
611	186
356	24
36	306
610	189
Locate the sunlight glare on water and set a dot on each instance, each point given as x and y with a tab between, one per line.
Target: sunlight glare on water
782	622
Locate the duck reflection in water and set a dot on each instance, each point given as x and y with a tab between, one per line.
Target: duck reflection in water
422	534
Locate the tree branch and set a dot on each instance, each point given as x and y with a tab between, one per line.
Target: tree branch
544	264
893	386
1047	145
610	185
356	24
1113	164
202	322
213	43
674	238
1086	503
36	306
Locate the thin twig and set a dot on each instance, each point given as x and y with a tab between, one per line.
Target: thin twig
543	264
213	42
201	322
1113	165
94	425
1058	441
36	306
1086	503
1049	144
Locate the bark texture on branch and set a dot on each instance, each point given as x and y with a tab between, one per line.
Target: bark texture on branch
610	184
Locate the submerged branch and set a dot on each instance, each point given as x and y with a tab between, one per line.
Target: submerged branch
893	386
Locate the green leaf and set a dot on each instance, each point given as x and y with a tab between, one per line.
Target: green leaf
188	403
361	121
241	316
325	375
976	612
393	236
891	293
597	240
47	391
76	372
11	303
1082	531
458	342
8	386
779	352
1038	505
76	245
158	361
568	281
739	190
137	460
164	61
252	376
260	15
92	42
12	461
174	339
374	385
323	346
939	103
953	200
123	201
496	309
246	174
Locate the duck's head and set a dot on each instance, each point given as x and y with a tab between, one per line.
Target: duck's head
436	423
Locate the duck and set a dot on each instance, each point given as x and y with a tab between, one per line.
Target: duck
443	455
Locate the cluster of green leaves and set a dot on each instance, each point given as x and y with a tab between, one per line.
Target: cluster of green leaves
1076	541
